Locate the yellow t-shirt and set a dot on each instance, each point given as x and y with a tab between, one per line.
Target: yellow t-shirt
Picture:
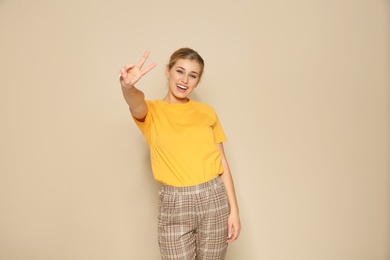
182	139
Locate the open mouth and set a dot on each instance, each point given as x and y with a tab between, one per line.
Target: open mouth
182	87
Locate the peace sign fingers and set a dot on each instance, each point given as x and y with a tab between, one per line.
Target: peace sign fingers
131	74
142	61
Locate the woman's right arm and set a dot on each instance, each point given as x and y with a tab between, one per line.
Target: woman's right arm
128	76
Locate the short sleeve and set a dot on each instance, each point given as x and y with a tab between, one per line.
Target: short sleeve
144	126
219	135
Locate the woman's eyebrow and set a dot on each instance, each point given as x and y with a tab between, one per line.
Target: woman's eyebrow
185	69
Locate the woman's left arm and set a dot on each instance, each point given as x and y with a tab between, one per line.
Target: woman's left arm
234	223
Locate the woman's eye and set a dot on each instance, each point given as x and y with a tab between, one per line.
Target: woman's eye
193	76
179	71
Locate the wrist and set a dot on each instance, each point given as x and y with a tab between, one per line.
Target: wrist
128	87
234	210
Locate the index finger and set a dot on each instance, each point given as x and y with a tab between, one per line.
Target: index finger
234	235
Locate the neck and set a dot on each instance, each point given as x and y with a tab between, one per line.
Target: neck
173	100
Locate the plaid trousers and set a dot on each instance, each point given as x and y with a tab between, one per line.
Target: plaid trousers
193	221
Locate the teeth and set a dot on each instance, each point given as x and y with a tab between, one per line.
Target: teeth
182	87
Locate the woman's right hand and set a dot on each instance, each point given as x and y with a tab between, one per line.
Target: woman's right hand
131	74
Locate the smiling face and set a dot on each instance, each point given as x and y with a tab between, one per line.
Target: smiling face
183	77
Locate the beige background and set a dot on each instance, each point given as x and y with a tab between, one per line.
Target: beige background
301	88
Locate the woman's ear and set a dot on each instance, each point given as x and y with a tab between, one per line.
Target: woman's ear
167	72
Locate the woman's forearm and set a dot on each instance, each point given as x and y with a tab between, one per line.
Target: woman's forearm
230	190
228	181
136	101
234	223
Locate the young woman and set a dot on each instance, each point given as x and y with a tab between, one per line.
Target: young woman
198	214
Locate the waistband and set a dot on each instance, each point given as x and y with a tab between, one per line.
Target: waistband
190	190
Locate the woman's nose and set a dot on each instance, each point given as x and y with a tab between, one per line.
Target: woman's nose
184	79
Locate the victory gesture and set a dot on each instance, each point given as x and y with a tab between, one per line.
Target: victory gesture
128	76
131	74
